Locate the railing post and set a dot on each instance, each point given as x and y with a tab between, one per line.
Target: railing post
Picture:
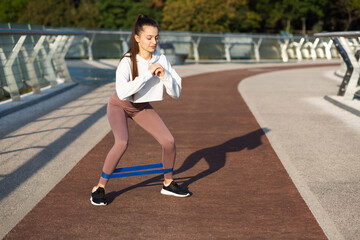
195	48
227	46
34	83
48	68
257	48
298	46
124	43
90	52
283	47
348	86
327	47
12	87
59	58
56	59
313	49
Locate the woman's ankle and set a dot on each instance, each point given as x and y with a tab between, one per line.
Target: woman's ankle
97	186
167	182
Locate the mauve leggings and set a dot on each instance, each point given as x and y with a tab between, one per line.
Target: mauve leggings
144	115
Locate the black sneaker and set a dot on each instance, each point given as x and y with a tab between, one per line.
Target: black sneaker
174	190
98	197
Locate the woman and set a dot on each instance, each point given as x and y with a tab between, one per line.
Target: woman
141	77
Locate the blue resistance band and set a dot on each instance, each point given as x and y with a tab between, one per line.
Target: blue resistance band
136	171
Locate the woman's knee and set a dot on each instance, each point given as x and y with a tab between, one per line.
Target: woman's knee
168	143
121	144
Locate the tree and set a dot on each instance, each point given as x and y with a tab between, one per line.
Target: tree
121	14
308	8
267	14
289	11
10	10
189	15
60	13
85	13
199	15
245	20
351	9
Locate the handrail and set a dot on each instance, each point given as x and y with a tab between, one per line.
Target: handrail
348	50
5	31
116	32
338	34
252	35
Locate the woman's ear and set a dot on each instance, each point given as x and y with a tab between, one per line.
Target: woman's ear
137	38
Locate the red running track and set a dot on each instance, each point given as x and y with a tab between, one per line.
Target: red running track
240	188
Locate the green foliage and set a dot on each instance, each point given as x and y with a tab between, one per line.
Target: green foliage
351	10
60	13
282	14
200	15
111	13
82	13
290	10
189	15
10	10
245	20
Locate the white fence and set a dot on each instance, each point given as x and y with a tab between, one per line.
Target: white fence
32	59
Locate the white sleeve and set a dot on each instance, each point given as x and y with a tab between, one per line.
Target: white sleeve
171	81
125	87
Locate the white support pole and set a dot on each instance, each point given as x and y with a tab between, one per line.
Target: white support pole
87	40
124	44
195	48
257	48
327	46
352	85
37	49
298	46
33	80
313	47
62	59
283	49
48	68
49	73
3	62
2	57
227	46
358	50
90	43
56	59
9	75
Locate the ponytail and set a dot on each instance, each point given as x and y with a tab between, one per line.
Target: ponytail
140	21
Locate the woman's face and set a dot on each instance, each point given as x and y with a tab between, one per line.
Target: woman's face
147	39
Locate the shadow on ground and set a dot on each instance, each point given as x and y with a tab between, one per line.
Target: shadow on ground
214	156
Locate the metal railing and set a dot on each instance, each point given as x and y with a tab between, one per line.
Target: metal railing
32	59
348	46
232	46
47	47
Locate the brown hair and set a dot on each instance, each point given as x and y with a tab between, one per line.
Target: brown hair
140	21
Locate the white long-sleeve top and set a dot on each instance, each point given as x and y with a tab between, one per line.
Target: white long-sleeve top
146	87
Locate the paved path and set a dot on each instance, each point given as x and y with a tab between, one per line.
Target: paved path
76	127
207	136
317	142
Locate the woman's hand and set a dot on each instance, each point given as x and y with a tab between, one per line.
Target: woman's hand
157	69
